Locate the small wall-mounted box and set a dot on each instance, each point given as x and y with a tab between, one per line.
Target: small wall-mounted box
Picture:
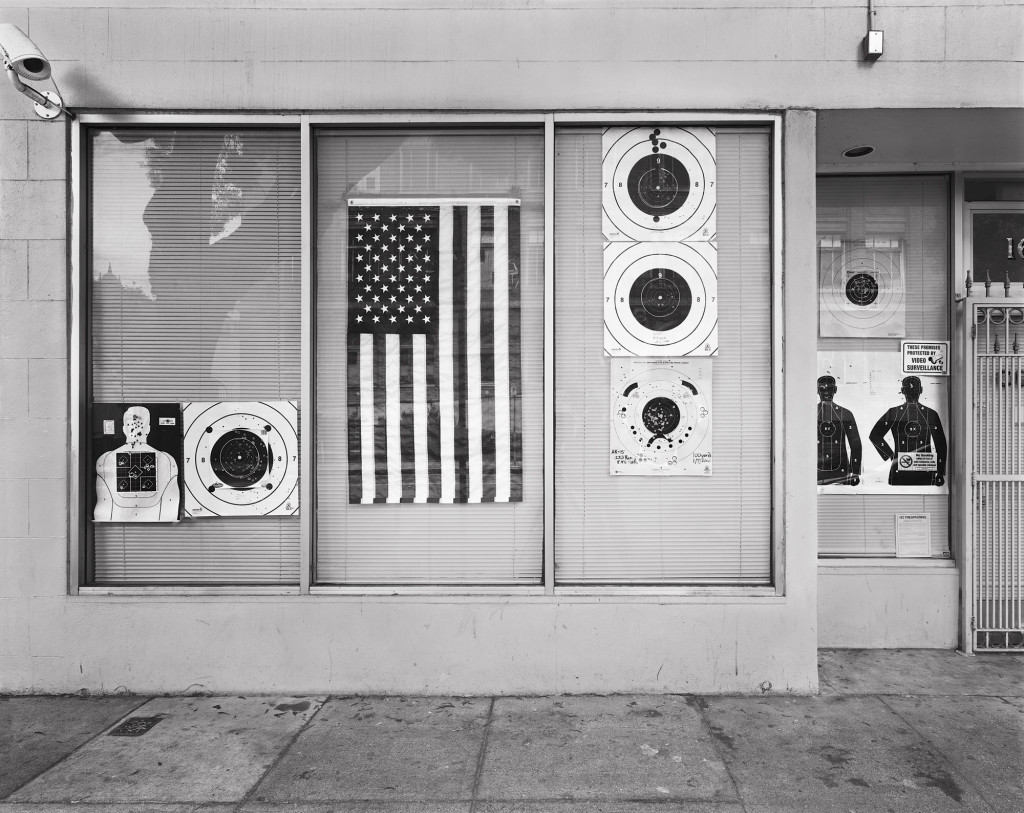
873	45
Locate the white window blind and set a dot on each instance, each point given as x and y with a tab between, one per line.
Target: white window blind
665	530
490	543
915	211
194	255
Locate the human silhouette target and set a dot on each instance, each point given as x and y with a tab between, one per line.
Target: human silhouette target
861	289
661	299
241	458
661	417
659	183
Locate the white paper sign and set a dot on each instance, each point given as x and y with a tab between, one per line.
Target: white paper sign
913	535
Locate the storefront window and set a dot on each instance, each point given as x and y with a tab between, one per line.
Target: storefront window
883	366
429	357
190	470
663	298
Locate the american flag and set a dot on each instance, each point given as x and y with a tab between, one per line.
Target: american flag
433	361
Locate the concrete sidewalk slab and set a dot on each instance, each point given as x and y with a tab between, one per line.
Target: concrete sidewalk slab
383	749
601	748
353	807
37	732
608	806
113	807
981	737
919	672
833	754
204	749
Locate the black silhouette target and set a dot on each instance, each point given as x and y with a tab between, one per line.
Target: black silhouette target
862	292
659	183
241	459
661	417
661	299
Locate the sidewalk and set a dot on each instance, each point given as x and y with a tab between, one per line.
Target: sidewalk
901	731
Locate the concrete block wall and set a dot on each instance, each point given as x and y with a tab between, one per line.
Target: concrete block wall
397	55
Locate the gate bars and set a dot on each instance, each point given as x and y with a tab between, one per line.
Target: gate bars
997	472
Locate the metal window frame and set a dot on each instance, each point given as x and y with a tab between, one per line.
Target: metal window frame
549	121
78	349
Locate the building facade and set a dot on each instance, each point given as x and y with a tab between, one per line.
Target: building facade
557	435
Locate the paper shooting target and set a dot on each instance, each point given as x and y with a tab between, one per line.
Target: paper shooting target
658	183
241	458
661	417
862	289
660	299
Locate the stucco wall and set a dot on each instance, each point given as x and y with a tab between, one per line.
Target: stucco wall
888	607
514	55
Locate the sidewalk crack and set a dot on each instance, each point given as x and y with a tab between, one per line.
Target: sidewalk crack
481	757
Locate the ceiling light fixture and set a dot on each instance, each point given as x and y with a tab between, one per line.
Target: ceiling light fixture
858	152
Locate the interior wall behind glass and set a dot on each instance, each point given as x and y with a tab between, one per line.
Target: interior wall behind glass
665	529
424	543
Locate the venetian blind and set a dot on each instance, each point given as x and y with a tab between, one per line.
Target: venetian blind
195	275
914	210
487	543
665	529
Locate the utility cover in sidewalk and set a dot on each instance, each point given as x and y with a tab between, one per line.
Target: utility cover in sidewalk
135	726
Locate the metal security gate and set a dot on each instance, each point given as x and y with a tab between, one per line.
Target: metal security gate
997	473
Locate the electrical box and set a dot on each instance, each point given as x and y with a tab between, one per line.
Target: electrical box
873	45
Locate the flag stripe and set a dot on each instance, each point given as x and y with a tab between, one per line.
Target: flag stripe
418	419
433	423
446	353
502	421
405	417
515	388
355	413
379	394
460	367
487	277
474	418
393	415
366	409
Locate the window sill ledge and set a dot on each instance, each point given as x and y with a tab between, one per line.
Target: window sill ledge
888	565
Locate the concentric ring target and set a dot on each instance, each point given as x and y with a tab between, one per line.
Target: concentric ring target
862	292
660	418
241	459
659	183
661	299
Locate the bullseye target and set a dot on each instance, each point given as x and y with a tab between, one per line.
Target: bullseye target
658	183
661	417
661	299
862	289
241	458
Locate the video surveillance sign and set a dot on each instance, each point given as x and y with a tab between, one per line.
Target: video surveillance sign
926	358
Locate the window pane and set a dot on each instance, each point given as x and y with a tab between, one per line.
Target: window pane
657	529
368	407
194	270
914	213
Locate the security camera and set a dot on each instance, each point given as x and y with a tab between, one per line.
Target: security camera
22	55
23	60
